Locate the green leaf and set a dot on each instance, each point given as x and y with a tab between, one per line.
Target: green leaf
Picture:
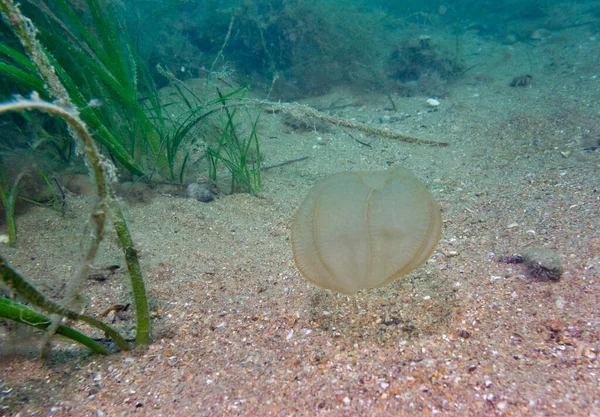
21	77
28	292
18	57
22	314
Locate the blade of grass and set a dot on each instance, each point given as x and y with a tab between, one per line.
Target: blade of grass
21	77
142	337
104	65
22	314
28	292
18	58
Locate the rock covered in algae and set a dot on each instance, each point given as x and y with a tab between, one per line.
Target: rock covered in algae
204	191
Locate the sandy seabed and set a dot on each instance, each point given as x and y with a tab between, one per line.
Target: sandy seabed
237	330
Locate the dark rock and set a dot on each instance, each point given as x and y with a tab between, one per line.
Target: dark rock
204	192
543	264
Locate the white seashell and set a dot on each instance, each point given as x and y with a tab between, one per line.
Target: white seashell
432	102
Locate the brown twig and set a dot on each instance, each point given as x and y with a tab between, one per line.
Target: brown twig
286	163
300	111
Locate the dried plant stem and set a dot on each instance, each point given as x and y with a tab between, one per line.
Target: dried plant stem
220	53
99	170
301	111
25	31
97	221
98	214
